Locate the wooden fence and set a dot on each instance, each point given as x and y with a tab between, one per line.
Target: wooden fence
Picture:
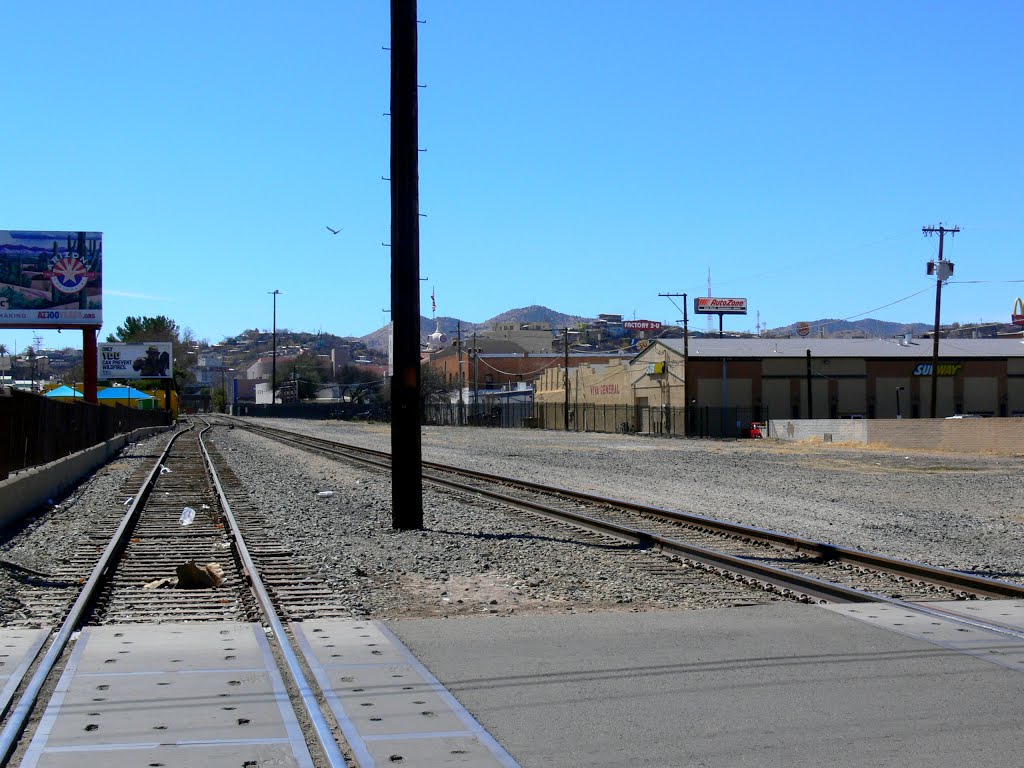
36	430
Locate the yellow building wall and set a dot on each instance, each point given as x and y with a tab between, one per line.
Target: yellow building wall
588	384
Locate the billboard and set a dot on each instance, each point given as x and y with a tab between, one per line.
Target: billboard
706	305
642	325
144	360
50	279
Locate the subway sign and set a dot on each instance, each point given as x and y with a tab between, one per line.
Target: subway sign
945	369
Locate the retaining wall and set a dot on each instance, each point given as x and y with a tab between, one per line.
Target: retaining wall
25	491
1003	436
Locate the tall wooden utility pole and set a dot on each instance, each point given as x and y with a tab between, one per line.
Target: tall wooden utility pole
686	355
273	352
942	270
565	350
406	451
461	383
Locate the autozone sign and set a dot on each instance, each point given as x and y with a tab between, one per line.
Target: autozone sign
706	305
642	325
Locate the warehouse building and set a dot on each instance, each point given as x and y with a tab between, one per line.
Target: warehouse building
809	378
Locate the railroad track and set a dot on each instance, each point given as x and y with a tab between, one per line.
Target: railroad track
791	566
259	581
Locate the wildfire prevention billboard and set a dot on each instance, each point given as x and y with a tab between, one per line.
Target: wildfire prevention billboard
50	279
146	360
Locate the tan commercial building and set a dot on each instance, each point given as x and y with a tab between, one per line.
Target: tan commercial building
734	381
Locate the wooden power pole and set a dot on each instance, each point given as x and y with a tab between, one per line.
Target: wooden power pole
942	270
565	351
406	451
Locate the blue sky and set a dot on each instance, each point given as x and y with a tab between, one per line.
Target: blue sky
586	156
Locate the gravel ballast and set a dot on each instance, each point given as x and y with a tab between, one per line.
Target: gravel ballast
476	558
948	510
49	537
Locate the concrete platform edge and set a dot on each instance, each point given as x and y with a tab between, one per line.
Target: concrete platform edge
30	489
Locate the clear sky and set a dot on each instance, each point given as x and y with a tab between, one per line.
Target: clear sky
583	155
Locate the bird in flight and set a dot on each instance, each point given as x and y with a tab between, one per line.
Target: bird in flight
335	231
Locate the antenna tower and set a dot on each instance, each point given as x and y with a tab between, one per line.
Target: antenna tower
711	326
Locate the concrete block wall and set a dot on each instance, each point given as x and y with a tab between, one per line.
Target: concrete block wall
842	430
1002	436
999	436
29	489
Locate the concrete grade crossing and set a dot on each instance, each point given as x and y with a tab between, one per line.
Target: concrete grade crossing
18	647
210	694
772	685
176	695
776	686
391	709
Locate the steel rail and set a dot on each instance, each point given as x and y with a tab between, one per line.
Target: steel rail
709	558
955	580
981	585
20	714
323	730
788	583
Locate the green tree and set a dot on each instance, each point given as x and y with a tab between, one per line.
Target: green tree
219	399
357	386
433	387
161	328
73	375
305	372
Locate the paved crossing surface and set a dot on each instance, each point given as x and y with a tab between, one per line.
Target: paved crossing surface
782	685
18	647
170	695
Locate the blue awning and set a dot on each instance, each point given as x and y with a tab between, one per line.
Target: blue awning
123	393
64	391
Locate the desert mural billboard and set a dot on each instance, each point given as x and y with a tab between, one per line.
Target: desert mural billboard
50	279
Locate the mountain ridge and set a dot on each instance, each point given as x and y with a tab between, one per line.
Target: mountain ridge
535	313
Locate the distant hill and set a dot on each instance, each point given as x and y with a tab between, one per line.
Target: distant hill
833	328
535	314
839	329
450	325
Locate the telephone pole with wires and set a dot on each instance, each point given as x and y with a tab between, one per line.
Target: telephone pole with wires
686	358
943	270
406	450
565	353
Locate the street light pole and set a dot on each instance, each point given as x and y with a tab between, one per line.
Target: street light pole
273	366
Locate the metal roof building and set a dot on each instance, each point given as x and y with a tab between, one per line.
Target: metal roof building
840	378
